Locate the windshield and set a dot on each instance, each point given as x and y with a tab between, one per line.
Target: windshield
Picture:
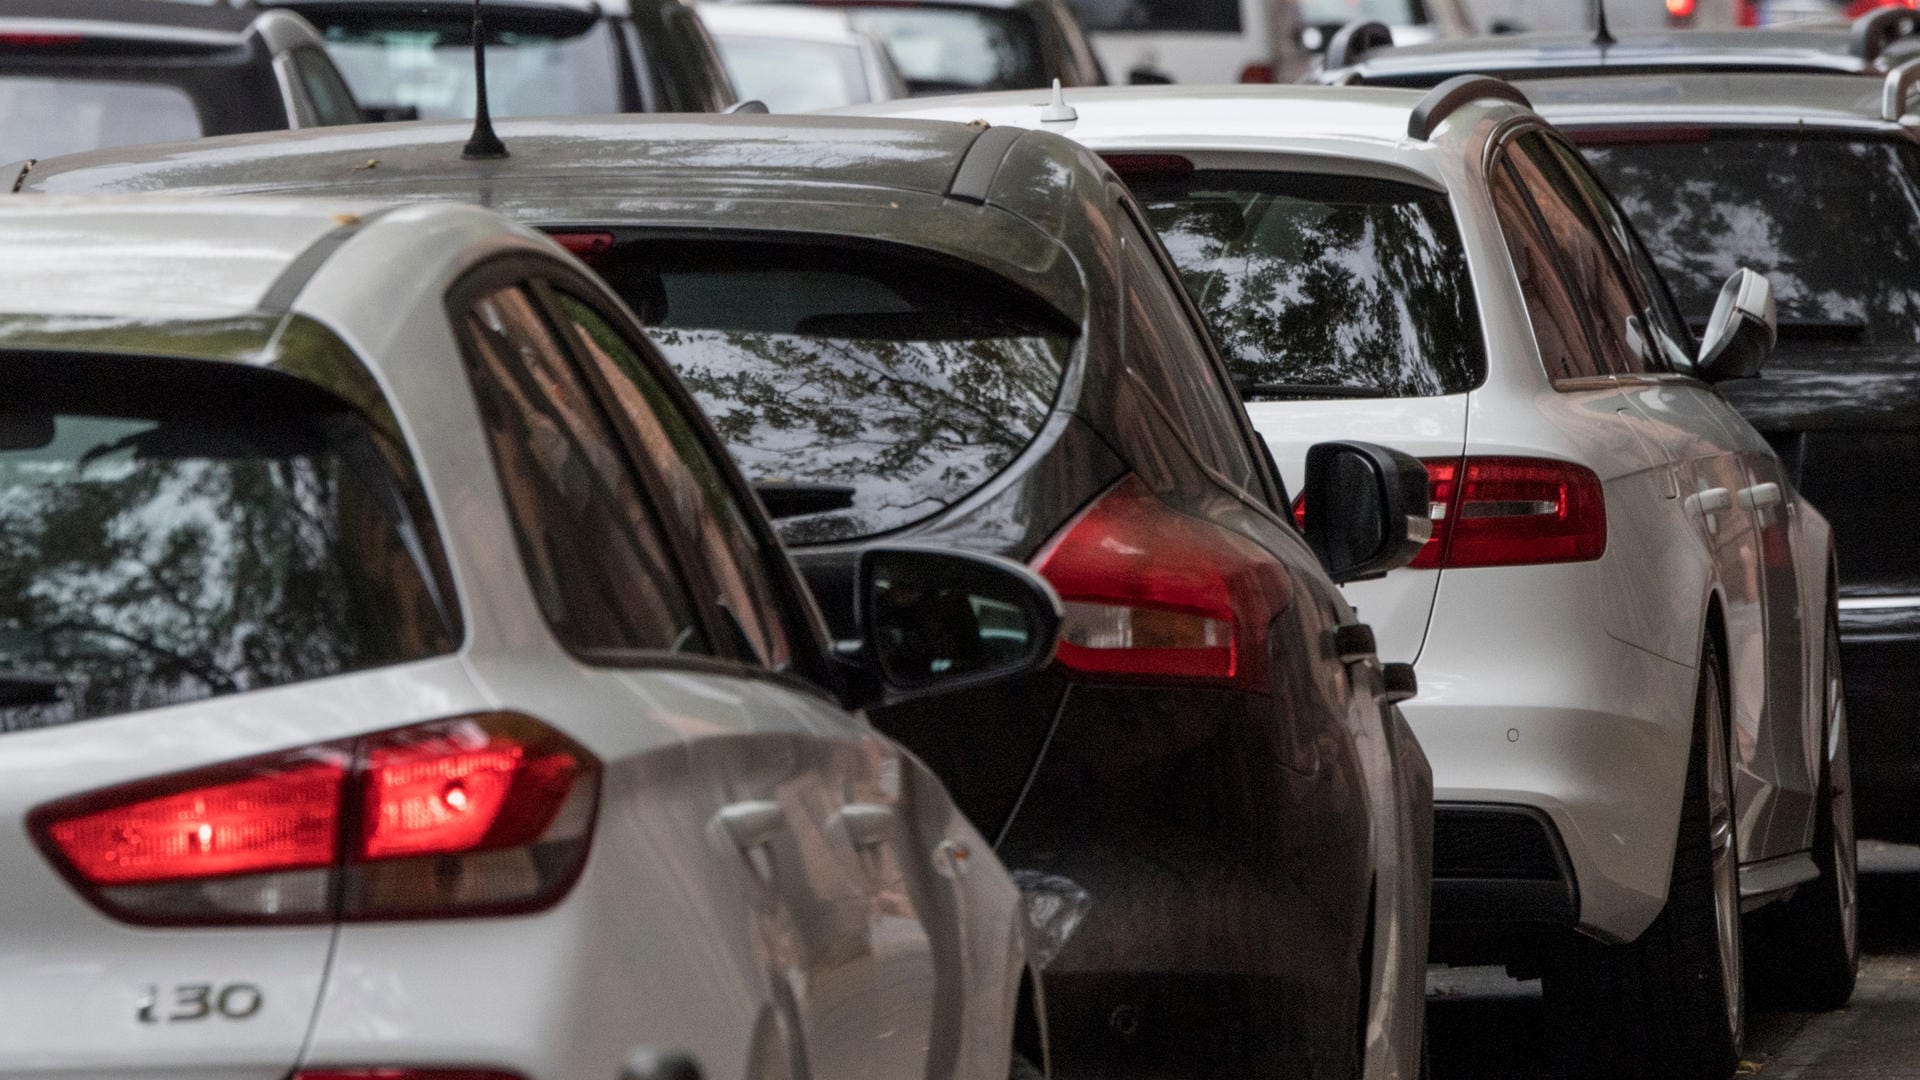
45	116
539	64
794	76
908	382
1177	16
1314	284
154	551
948	49
1833	223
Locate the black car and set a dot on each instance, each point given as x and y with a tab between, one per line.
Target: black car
413	59
917	332
1360	54
83	76
958	46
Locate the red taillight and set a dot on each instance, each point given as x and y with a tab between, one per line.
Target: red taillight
1257	73
1680	10
467	816
30	40
1512	511
1153	593
585	246
1150	166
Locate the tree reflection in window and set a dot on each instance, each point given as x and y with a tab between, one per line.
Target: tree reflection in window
914	383
1326	281
1834	224
155	551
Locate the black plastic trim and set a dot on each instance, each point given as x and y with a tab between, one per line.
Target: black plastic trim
974	177
1443	100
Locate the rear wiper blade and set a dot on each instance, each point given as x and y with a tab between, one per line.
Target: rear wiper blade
787	499
1257	388
19	688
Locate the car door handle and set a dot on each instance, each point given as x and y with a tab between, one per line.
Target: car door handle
752	825
869	825
1709	502
1760	496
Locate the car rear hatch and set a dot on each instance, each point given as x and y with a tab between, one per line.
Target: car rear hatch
1345	309
184	590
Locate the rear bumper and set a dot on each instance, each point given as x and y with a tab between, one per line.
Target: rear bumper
1880	655
1500	874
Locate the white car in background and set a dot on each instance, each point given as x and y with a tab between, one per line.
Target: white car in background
398	681
798	59
1624	624
1249	41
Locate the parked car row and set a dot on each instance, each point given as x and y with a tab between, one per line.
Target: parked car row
880	593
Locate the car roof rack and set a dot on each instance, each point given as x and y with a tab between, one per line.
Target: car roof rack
1355	40
1900	82
1873	32
1442	100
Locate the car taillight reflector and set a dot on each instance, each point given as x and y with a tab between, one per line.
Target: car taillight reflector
585	246
474	815
1513	511
1153	593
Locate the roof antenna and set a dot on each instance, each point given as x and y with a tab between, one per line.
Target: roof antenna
1601	36
483	144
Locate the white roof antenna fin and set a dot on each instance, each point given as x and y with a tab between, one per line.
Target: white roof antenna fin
1058	111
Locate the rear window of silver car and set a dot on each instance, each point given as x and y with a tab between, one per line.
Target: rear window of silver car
789	75
1834	224
949	49
45	116
912	382
1324	286
173	530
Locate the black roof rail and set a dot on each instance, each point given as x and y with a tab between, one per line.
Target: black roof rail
973	179
749	106
1442	100
1874	31
1355	40
1893	94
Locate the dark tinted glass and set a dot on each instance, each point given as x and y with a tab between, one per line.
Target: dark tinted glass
599	569
912	382
1215	16
792	75
944	49
539	62
1834	224
1326	281
43	116
172	531
692	491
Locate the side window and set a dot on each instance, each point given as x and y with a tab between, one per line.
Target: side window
1167	350
331	100
1551	307
693	489
1672	340
1615	316
599	567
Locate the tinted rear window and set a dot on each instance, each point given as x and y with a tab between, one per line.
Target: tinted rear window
794	76
538	63
1325	286
910	381
947	49
43	116
173	531
1833	223
1214	16
1341	12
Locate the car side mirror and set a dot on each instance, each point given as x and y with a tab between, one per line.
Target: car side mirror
1366	508
1147	76
932	620
1742	330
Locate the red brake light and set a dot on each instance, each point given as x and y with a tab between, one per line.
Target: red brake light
1150	166
21	38
585	246
1151	592
1680	10
473	815
1257	73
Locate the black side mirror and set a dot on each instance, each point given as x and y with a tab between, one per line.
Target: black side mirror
1146	76
1742	330
1366	508
933	620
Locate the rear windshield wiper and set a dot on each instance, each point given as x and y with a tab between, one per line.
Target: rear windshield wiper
1257	388
788	499
19	688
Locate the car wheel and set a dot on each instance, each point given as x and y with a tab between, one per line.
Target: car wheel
1813	939
1669	1005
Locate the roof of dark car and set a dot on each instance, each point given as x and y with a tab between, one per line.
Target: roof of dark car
171	14
1555	55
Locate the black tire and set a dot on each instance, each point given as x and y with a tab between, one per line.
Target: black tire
1668	1006
1813	940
